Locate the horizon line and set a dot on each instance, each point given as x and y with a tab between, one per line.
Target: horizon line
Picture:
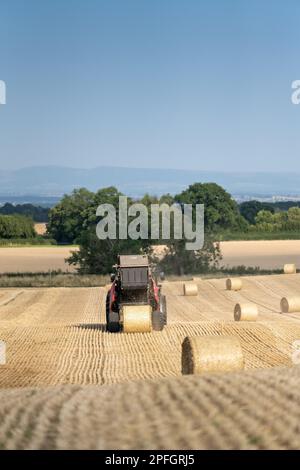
149	168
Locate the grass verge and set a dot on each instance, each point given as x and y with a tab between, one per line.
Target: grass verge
60	279
37	241
52	279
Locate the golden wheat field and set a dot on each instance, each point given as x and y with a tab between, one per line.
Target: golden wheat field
267	254
35	259
68	383
271	254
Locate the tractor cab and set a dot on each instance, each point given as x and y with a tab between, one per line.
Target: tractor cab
133	272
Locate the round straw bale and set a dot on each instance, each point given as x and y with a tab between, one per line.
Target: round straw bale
234	284
209	354
137	318
190	289
290	304
290	269
245	312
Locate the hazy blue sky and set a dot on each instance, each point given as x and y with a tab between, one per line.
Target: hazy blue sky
202	84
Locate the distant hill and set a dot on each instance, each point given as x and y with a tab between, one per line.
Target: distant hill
48	183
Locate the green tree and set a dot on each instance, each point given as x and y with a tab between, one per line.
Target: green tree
250	209
280	221
16	226
74	218
36	213
293	218
67	217
97	256
180	261
167	199
265	221
221	211
264	217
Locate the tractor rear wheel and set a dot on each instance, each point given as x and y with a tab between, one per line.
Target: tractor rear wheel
157	321
113	322
107	307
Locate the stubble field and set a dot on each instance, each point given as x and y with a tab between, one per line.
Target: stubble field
30	259
271	254
70	384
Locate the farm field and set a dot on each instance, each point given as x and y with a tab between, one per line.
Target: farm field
265	254
35	259
66	378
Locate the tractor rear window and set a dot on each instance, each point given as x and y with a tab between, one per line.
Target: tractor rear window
134	278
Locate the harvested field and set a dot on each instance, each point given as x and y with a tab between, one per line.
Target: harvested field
56	338
35	259
267	254
249	410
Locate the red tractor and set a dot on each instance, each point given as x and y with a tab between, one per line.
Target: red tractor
134	302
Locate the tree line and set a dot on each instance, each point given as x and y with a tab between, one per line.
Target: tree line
16	227
74	220
36	213
250	209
